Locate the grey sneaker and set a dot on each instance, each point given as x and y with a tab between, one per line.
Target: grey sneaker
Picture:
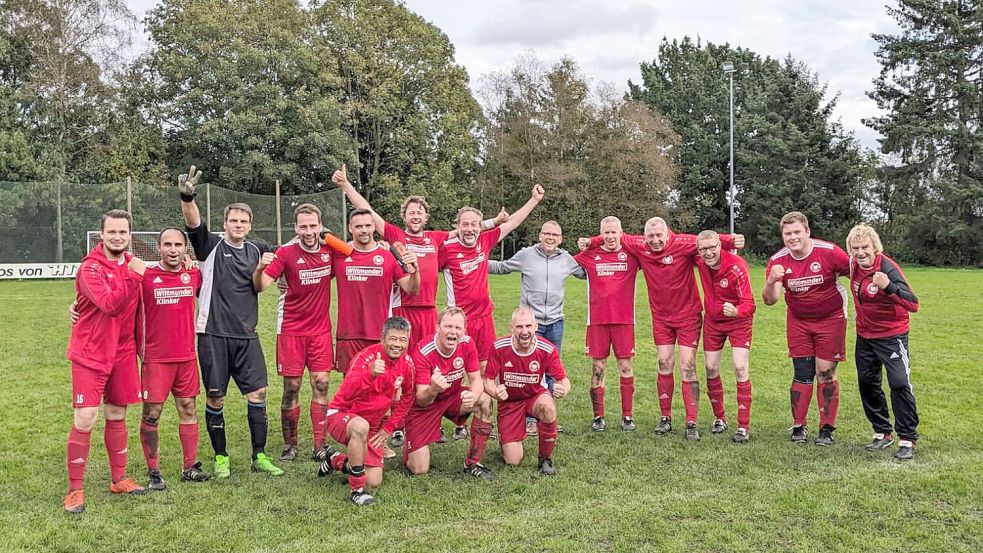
599	425
719	426
741	436
156	481
692	433
289	453
880	441
546	467
627	424
397	440
800	434
460	433
906	450
360	498
825	437
665	426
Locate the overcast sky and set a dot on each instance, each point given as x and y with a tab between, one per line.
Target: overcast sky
610	38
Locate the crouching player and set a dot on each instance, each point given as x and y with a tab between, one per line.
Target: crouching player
729	306
355	415
441	364
515	375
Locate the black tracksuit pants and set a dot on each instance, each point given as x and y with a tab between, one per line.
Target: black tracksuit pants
892	354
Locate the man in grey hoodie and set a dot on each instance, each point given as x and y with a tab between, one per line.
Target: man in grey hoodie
544	267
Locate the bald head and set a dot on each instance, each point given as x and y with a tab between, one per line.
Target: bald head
523	327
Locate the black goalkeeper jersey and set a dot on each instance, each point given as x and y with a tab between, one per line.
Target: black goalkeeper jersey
228	305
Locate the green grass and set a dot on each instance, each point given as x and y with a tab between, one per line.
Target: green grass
615	491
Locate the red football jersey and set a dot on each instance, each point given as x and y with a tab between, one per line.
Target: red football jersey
610	285
466	273
812	290
425	246
166	320
305	309
881	313
463	360
365	283
523	375
668	273
730	282
371	397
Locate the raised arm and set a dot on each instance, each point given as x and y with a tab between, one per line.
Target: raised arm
340	179
519	216
186	184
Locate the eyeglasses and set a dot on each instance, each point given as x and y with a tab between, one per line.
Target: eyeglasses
708	248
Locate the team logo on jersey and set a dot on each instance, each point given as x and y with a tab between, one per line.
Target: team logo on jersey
622	256
667	260
458	363
872	289
325	257
533	366
815	266
398	382
724	283
185	278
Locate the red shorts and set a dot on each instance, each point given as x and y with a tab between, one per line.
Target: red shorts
160	379
685	332
293	353
346	350
715	334
423	322
601	339
119	385
823	338
423	423
338	428
482	331
512	418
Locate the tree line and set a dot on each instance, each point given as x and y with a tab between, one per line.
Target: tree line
278	90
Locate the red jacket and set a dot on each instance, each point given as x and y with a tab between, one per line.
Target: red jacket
108	294
371	397
730	282
881	313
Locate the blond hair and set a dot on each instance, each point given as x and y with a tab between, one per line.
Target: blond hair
862	232
793	217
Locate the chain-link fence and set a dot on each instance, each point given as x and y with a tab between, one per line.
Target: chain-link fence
47	222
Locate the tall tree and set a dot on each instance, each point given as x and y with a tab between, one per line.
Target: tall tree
931	84
789	151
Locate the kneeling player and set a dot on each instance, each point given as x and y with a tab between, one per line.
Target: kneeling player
441	364
355	415
729	305
515	375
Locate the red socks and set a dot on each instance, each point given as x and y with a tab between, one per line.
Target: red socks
744	404
150	440
479	439
715	392
547	439
115	436
829	402
800	396
691	399
665	385
319	421
356	478
289	419
597	401
627	395
77	456
188	432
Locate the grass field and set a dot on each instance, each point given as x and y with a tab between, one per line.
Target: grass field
615	491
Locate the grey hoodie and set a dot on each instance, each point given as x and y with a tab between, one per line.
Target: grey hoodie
542	279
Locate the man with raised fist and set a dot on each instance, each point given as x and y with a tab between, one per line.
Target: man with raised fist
807	270
228	310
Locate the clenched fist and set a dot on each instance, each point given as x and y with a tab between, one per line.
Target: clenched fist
777	274
265	261
880	280
137	266
729	309
438	381
501	392
467	400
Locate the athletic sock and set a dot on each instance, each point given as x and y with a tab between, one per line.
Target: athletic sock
258	426
801	396
77	455
691	399
715	393
597	401
547	439
319	422
188	432
665	385
116	447
215	424
627	395
828	399
744	404
289	419
356	478
150	440
479	439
